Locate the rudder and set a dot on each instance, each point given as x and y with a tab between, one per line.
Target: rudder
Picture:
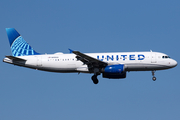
19	47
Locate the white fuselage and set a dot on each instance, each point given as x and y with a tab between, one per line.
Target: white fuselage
111	65
133	61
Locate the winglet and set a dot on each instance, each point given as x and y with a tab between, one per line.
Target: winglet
71	51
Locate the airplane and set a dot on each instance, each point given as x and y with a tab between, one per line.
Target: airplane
113	65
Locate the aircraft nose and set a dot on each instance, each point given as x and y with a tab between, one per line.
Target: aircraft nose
174	63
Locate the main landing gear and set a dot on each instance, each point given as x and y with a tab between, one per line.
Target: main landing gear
94	77
153	73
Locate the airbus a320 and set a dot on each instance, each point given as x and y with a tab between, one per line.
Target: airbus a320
112	65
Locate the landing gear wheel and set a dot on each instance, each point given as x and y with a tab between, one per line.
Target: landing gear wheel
153	73
94	79
154	78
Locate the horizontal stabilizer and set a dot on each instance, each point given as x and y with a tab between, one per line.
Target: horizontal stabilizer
15	58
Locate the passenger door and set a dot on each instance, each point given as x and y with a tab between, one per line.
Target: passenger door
153	57
39	61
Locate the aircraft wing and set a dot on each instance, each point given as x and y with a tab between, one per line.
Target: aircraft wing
88	60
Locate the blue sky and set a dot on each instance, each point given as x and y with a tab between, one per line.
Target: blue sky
90	26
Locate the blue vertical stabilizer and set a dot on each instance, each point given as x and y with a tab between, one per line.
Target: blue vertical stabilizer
19	46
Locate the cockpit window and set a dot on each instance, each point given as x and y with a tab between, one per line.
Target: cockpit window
165	57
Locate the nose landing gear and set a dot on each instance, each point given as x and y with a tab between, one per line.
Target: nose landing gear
153	73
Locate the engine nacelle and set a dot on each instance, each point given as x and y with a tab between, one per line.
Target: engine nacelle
114	71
